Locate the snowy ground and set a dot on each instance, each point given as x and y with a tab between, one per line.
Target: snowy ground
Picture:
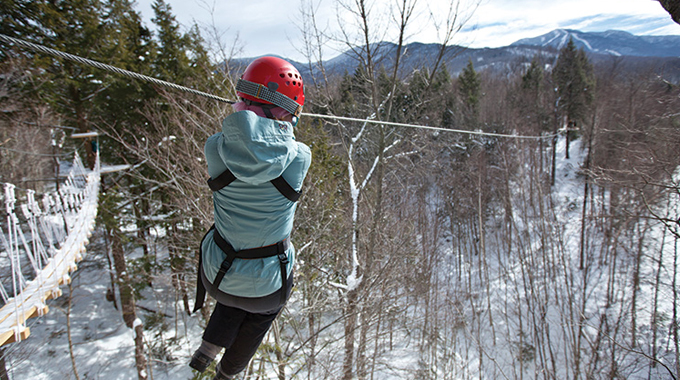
103	346
104	349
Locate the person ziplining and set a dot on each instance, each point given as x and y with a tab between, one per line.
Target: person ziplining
256	170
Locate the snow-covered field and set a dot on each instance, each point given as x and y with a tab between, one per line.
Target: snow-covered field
492	342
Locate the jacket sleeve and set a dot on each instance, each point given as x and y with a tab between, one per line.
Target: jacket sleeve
297	171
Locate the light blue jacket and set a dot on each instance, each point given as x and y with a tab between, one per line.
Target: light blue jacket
250	212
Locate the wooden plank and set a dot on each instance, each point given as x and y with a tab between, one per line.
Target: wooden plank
8	337
55	273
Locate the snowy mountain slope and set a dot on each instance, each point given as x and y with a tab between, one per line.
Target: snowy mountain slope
641	53
611	42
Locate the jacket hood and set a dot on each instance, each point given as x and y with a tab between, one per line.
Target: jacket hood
256	149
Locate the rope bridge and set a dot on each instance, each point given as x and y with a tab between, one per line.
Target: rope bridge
41	246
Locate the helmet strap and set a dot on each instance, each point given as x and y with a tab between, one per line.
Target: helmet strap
265	93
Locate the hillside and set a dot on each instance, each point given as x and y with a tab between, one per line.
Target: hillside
650	53
611	42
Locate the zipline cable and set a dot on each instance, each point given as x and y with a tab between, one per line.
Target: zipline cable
133	75
113	69
395	124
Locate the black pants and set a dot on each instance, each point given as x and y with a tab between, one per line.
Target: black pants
239	332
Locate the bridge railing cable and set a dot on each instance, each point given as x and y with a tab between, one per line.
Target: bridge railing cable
40	246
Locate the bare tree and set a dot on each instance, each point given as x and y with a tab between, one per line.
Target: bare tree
29	129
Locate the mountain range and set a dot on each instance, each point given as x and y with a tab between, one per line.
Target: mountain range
660	54
611	42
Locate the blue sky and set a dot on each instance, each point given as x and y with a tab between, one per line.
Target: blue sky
259	27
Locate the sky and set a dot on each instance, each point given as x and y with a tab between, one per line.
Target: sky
260	27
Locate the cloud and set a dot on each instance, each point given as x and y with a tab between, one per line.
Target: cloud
271	26
503	33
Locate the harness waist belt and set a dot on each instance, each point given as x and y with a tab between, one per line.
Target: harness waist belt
279	250
252	253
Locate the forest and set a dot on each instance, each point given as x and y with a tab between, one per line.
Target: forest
544	247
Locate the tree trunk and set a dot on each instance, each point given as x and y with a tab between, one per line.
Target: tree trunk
586	191
636	289
655	302
362	359
567	137
311	325
127	301
674	324
350	327
68	331
281	363
3	366
553	164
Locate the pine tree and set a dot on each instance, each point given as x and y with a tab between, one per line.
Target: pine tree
533	78
469	89
128	46
75	27
532	93
18	19
344	103
171	62
573	75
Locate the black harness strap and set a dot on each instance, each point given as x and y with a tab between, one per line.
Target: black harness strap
279	182
285	189
221	180
279	250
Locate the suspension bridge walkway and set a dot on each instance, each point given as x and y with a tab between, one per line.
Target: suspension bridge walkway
41	243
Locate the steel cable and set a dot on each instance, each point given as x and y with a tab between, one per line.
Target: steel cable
133	75
113	69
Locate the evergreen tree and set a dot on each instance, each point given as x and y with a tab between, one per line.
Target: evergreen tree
171	61
18	19
128	46
533	78
75	27
532	95
344	103
469	89
573	75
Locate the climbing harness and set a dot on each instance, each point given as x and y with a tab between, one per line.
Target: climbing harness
279	249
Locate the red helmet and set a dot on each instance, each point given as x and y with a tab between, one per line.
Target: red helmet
273	80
